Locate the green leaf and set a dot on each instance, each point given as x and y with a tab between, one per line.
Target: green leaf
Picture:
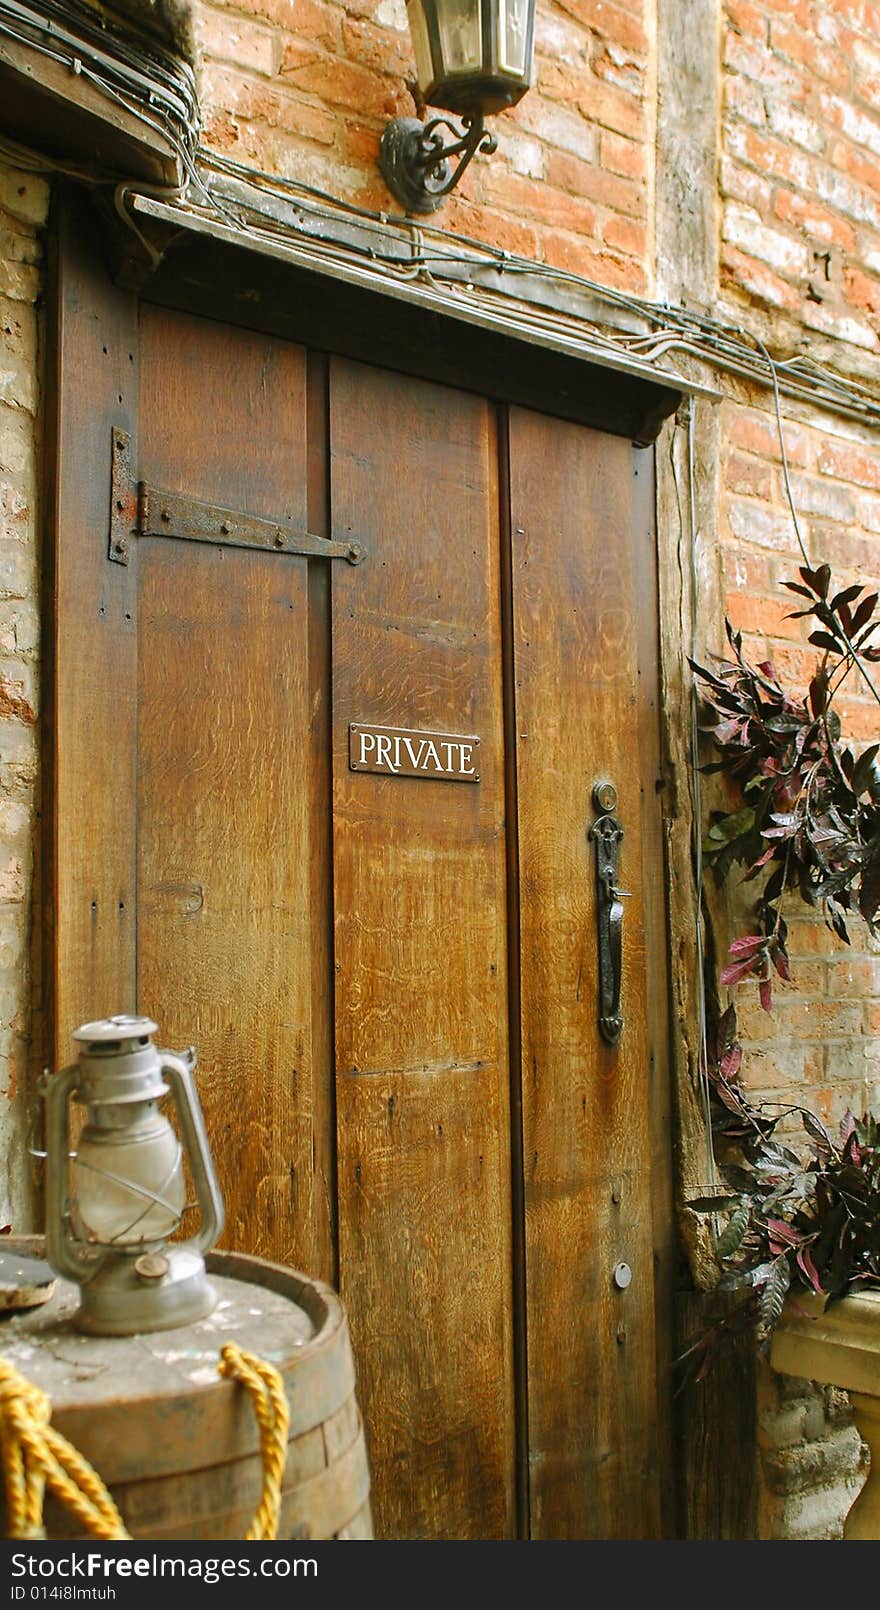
732	1235
774	1293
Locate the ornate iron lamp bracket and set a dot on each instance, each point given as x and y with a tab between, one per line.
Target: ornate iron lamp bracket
416	165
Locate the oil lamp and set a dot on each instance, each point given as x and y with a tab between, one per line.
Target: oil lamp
110	1214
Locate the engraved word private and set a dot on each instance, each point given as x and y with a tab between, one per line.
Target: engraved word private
399	752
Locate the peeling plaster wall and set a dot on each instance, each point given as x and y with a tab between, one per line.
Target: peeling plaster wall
23	207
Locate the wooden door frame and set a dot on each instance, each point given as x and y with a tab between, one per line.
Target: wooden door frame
245	289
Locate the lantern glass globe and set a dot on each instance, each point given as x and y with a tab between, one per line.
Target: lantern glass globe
129	1183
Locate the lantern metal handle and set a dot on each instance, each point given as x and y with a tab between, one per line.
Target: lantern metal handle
179	1072
70	1258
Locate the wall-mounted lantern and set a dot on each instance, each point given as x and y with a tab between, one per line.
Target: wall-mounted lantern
109	1216
473	57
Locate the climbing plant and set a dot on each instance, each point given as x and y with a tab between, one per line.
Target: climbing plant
808	815
805	822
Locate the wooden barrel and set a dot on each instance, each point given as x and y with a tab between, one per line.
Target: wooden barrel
177	1445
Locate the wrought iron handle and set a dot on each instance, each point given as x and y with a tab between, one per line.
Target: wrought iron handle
606	834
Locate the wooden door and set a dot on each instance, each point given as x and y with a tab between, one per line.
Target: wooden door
391	980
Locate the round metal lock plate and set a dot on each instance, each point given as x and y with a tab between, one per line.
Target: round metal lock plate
622	1276
604	796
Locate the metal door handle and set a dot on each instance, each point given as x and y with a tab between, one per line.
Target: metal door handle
606	834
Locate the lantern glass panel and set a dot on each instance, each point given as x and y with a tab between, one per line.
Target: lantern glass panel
461	35
129	1186
513	27
421	44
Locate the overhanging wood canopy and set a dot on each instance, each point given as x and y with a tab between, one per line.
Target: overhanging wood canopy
355	285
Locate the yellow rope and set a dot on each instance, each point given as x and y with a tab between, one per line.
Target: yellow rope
270	1405
34	1456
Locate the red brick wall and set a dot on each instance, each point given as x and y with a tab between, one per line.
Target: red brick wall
821	1045
304	88
800	170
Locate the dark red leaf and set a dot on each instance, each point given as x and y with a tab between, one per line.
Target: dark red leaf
747	945
805	1260
780	962
765	993
864	612
847	596
737	970
731	1062
819	692
825	640
784	1232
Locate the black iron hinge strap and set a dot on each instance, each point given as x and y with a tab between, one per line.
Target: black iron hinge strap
137	509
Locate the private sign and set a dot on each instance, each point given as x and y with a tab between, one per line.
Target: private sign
400	752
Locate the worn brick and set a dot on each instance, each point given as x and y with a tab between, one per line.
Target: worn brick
788	124
567	131
759	433
342	83
625	235
769	528
852	199
843	326
816	222
743	99
813	496
849	461
744	229
746	18
748	475
250	45
611	108
755	278
561	39
744	184
626	157
609	22
748	571
583	179
525	155
771	156
514	194
572	254
613	66
766	616
382	49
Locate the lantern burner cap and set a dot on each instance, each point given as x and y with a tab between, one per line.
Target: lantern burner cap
108	1029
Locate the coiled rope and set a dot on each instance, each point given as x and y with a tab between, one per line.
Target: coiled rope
35	1456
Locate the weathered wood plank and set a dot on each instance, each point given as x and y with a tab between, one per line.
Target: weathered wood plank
422	1081
224	815
579	584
